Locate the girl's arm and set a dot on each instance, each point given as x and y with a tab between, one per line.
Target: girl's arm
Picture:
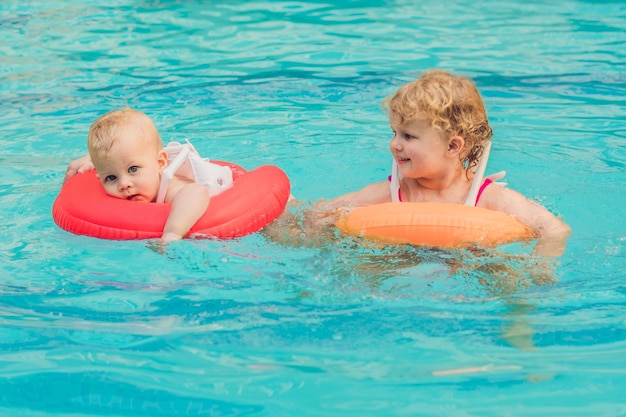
311	225
188	205
326	212
376	193
552	233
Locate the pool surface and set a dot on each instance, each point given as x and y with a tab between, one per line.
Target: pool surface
251	327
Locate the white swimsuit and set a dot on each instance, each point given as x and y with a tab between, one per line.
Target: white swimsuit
184	161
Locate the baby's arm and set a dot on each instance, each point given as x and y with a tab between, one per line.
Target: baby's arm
188	205
552	233
78	166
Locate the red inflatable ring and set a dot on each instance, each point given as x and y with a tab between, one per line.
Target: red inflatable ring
256	198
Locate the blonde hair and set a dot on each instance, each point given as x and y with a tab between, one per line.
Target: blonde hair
114	126
453	105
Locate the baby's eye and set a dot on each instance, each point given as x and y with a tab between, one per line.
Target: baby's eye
110	178
133	169
408	137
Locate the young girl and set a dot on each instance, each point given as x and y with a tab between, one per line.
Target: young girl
440	130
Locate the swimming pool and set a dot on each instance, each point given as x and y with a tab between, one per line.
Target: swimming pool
253	328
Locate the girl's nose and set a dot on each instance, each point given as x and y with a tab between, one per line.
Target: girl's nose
395	143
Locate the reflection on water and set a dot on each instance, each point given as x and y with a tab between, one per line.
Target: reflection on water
360	269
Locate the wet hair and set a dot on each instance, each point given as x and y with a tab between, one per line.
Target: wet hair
453	105
114	126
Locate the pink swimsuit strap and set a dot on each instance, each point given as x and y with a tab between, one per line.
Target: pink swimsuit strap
480	190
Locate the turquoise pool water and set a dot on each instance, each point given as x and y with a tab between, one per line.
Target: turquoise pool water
249	327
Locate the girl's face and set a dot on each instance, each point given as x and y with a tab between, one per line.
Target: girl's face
419	150
132	170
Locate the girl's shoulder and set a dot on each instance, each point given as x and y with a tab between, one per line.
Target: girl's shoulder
494	196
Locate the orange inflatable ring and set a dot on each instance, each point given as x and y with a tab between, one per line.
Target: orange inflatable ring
256	198
433	224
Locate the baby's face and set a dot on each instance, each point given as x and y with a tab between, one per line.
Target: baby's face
132	170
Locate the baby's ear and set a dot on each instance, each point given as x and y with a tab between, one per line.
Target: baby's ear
162	158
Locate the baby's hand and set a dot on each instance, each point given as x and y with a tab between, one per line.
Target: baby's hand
160	245
78	166
170	237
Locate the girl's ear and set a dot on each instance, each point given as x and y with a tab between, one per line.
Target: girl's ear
455	144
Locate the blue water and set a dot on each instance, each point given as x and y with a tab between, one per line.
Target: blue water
250	327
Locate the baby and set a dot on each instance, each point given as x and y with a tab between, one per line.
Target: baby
126	150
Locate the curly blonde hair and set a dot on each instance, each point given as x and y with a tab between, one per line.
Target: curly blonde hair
453	105
115	125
